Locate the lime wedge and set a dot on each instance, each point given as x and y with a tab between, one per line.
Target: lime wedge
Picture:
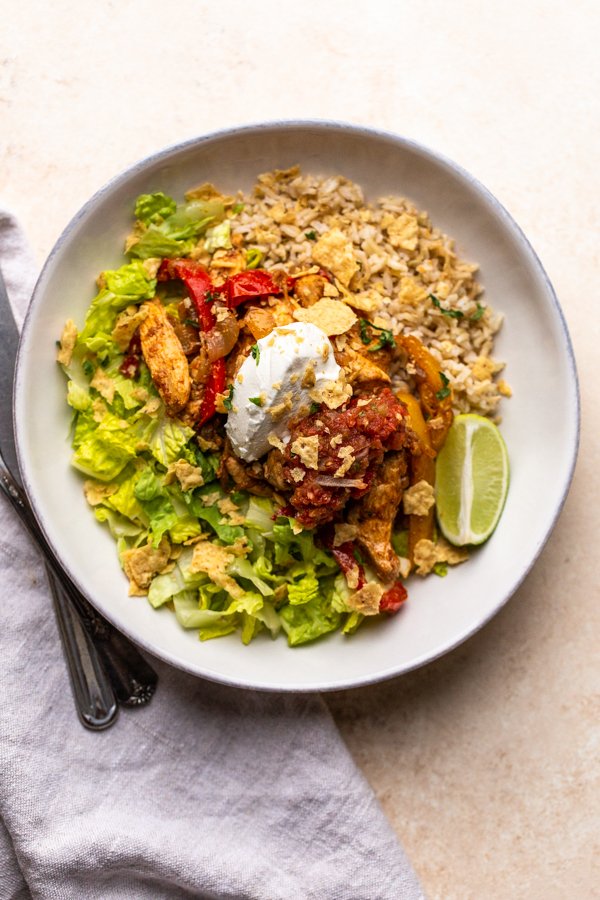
471	480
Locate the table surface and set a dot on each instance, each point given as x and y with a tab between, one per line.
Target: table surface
484	761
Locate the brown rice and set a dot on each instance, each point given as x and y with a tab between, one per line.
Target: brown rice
404	262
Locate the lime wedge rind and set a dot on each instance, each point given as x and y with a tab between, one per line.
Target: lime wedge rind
472	478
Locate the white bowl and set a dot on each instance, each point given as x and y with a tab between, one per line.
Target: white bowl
540	422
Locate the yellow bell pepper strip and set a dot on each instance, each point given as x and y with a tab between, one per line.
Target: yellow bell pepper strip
435	395
430	418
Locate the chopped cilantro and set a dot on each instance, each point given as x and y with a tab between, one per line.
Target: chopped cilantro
385	338
310	235
253	258
237	208
445	390
357	556
211	296
451	313
478	313
227	402
258	401
314	408
88	368
191	322
255	351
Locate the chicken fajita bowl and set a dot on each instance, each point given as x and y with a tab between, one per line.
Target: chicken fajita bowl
250	523
260	394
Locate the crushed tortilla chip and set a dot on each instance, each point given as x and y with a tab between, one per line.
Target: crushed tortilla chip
335	252
141	564
427	554
275	441
68	339
127	324
347	455
96	492
215	560
418	499
103	384
332	393
368	301
403	232
232	513
307	448
367	599
331	316
344	533
187	475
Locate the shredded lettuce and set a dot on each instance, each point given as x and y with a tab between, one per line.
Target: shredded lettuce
218	237
150	208
166	437
284	580
105	452
168	231
305	622
128	285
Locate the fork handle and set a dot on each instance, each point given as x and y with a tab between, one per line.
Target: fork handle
95	700
94	697
133	679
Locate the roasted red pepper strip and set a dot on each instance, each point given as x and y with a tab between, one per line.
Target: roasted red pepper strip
130	367
215	385
249	284
346	560
344	555
393	599
198	284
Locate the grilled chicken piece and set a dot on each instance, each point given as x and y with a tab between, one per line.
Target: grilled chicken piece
259	321
374	514
247	476
360	369
164	356
309	289
199	372
283	311
233	362
273	470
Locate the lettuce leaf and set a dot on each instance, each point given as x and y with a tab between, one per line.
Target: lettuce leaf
305	590
166	437
120	527
229	534
310	620
242	568
78	396
130	284
106	450
155	207
218	237
176	233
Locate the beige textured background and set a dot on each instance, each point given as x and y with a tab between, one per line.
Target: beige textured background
487	761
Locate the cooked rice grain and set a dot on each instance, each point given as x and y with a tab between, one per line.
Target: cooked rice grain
401	255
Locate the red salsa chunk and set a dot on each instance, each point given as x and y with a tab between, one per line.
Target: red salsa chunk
351	444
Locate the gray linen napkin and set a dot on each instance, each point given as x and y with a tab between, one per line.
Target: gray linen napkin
208	792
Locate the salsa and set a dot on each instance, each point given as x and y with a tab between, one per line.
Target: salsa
351	444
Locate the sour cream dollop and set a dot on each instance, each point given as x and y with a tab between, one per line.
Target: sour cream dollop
273	386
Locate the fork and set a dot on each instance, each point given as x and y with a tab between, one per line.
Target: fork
106	669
